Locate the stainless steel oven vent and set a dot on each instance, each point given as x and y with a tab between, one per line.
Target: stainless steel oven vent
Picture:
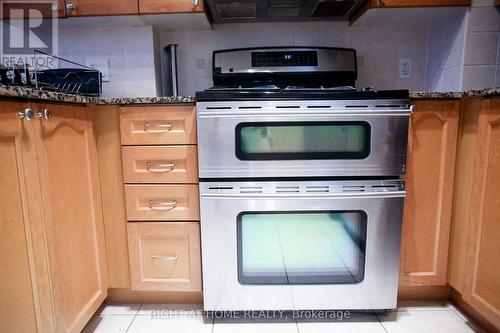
236	10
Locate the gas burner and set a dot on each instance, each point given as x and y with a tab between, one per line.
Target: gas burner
340	88
236	88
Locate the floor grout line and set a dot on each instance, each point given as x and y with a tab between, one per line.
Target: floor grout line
129	325
380	322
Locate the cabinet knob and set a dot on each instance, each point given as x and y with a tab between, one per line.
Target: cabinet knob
70	7
195	3
27	114
45	114
55	7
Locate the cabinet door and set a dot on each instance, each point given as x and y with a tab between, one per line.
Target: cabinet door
170	6
17	308
482	278
429	186
67	164
165	256
100	7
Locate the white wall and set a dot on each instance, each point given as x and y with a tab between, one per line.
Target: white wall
130	51
379	49
445	53
482	46
460	52
464	50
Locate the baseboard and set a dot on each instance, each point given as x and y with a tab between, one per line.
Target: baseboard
459	302
424	293
122	295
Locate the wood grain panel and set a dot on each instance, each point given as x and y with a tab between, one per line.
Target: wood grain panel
165	256
482	283
429	186
102	7
419	3
160	125
170	6
18	311
107	130
69	178
172	164
466	152
162	202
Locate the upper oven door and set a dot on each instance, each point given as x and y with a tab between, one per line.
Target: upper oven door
301	139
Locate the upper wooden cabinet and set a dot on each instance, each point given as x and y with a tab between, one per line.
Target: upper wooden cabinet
171	6
52	233
100	7
417	3
429	186
375	6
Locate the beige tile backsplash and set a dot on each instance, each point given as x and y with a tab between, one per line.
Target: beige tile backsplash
462	51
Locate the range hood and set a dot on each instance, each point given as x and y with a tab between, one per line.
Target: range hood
227	11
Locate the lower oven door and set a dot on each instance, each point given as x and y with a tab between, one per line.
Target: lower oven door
301	245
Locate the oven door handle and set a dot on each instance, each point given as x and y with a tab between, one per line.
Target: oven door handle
337	195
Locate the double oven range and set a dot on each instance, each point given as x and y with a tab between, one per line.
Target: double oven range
301	195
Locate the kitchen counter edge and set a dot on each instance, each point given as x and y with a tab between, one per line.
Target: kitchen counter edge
30	93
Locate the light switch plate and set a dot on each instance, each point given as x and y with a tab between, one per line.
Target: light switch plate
405	68
102	65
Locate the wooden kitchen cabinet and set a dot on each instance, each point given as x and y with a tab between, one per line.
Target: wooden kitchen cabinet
429	186
171	6
418	3
377	5
101	7
475	272
69	181
482	280
56	200
17	285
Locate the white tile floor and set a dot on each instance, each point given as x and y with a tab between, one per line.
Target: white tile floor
418	317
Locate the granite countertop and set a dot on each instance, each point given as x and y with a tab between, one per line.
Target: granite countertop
489	92
30	93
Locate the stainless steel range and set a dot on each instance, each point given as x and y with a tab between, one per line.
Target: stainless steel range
301	196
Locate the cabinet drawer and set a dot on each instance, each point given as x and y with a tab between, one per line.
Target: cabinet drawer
162	202
158	125
165	256
175	164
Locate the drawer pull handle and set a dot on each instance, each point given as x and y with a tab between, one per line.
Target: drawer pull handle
158	127
166	258
160	167
162	205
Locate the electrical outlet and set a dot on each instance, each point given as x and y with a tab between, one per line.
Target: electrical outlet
200	63
101	65
405	68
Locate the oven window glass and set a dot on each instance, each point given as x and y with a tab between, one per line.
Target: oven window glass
303	140
326	247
